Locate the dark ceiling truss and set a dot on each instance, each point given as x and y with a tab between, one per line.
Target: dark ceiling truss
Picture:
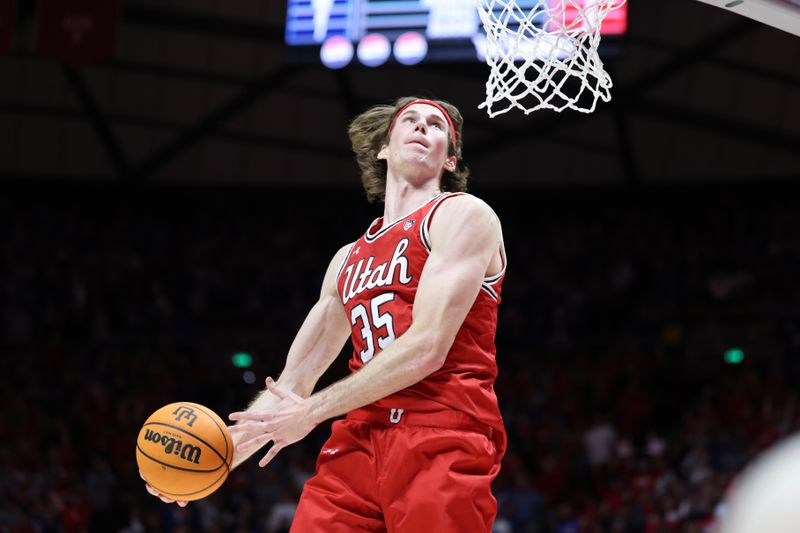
756	71
167	19
98	121
346	92
173	72
207	76
625	147
721	125
686	58
155	124
123	119
628	99
186	21
249	96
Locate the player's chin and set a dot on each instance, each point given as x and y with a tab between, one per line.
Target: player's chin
421	161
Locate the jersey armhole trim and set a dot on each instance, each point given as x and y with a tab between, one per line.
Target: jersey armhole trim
424	230
488	281
490	291
491	280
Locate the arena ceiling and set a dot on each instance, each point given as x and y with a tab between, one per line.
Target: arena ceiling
199	92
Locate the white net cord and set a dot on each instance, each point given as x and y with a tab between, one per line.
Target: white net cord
543	54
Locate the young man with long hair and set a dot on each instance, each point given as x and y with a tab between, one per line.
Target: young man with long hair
417	294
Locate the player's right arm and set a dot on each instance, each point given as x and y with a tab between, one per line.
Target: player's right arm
316	345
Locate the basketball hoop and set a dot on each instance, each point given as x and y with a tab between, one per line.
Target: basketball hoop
543	54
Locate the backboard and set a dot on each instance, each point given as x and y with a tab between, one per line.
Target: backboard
781	14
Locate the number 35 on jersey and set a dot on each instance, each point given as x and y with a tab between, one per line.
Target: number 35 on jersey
373	321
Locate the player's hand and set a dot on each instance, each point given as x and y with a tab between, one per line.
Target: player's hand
158	495
285	423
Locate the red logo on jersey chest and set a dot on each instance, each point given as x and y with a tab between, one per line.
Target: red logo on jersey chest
361	276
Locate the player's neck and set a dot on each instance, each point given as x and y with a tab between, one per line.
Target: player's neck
402	198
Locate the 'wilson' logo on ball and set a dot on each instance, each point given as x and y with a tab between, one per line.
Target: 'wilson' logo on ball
187	452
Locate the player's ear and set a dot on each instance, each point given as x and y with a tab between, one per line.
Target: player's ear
450	164
384	153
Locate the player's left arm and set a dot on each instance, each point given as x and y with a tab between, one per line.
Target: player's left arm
464	237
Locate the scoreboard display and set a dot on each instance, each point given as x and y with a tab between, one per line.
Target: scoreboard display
375	32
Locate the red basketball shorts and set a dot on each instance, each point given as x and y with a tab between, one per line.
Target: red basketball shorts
402	472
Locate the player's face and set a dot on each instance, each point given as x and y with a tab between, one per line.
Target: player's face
419	142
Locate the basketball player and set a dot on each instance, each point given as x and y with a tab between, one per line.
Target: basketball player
418	296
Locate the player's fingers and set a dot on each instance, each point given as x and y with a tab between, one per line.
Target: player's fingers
242	430
280	392
245	427
274	389
158	495
245	415
254	442
270	455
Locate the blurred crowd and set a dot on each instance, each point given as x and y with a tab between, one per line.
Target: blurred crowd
623	414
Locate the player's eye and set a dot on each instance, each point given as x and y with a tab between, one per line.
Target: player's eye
437	125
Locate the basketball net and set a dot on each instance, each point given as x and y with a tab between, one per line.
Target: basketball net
543	54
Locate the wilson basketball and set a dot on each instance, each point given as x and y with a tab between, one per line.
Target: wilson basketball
184	451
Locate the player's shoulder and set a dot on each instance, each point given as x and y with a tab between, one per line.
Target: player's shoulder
342	252
341	255
337	262
466	207
464	215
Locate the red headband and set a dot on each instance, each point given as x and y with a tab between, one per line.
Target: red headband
432	104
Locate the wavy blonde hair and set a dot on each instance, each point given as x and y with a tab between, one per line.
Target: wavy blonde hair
369	131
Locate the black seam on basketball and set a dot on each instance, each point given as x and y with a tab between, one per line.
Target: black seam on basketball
168	493
224	461
223	430
176	467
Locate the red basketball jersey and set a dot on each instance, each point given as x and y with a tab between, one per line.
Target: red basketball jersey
378	283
